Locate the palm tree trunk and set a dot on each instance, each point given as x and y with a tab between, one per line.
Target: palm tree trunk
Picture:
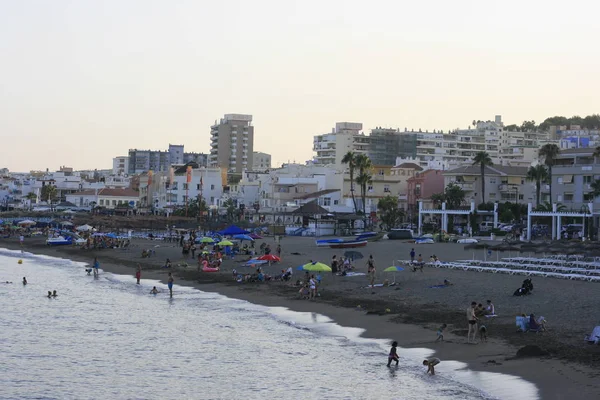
482	184
352	190
538	191
550	181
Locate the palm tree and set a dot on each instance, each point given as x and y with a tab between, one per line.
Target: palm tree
595	188
364	165
482	159
350	159
31	197
548	153
537	174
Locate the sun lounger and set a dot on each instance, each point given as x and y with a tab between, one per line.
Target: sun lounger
594	337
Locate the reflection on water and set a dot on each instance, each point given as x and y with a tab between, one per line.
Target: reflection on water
110	338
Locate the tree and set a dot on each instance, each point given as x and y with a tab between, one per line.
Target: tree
548	154
390	214
482	159
595	188
454	196
528	126
31	197
537	174
48	194
596	154
229	205
591	122
364	165
350	159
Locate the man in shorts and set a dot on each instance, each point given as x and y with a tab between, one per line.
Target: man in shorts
472	319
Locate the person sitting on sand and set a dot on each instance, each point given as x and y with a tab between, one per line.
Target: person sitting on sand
490	310
304	292
447	282
479	311
440	333
431	363
154	290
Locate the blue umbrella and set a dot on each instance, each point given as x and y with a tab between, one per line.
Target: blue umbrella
243	237
111	235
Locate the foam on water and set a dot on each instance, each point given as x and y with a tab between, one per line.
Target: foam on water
110	338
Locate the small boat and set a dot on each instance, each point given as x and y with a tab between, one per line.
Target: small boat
424	240
370	236
59	241
328	242
348	244
400	234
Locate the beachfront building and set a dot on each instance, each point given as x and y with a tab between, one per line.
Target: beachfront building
572	176
106	198
232	143
502	183
14	191
421	187
261	161
386	144
575	137
140	161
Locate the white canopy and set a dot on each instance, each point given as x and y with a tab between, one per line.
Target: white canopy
26	222
84	228
66	223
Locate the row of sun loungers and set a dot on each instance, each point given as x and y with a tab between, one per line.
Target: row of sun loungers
518	269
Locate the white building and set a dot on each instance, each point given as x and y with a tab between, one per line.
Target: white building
120	165
261	161
108	198
331	148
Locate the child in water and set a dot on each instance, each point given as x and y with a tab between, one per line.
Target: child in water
431	363
154	290
393	356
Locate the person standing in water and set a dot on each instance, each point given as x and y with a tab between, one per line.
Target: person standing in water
170	284
431	363
96	266
138	273
393	356
24	281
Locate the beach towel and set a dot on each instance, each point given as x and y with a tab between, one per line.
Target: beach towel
355	274
437	286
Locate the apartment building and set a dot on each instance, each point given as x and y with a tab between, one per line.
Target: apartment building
422	186
386	144
261	161
572	176
107	198
232	143
331	148
158	160
120	165
502	183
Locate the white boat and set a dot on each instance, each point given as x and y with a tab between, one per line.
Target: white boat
59	241
467	241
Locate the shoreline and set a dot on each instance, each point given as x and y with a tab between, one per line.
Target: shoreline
554	378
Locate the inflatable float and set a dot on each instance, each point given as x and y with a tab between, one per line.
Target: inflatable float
209	269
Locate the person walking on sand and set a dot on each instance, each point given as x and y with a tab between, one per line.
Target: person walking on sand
96	266
393	356
371	271
170	285
138	273
24	281
440	333
21	240
278	250
472	319
412	255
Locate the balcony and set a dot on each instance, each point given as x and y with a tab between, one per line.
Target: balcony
508	187
466	186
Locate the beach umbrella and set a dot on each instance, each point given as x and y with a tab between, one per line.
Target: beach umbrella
354	255
225	243
207	240
111	236
269	257
26	222
393	269
84	228
254	262
243	237
66	223
316	267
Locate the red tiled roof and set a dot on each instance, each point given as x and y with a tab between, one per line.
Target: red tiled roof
108	192
409	165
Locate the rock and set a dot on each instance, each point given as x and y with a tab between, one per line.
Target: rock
531	351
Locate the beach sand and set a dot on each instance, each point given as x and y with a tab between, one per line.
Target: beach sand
570	368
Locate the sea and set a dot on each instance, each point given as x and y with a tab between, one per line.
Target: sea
109	338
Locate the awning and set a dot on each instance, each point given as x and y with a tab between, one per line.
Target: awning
568	179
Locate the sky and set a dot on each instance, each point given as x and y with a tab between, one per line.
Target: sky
82	82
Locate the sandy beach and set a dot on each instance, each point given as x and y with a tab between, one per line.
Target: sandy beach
568	367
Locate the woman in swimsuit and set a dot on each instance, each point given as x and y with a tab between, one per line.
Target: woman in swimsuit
138	273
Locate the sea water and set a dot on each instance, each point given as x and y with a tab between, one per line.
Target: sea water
107	337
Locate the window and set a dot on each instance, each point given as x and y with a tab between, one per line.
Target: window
212	187
101	202
370	188
587	179
381	172
326	201
568	196
336	202
493	180
198	186
559	180
588	197
114	202
522	181
185	186
521	197
568	179
386	188
492	195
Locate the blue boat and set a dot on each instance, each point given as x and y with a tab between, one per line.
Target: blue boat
59	241
327	242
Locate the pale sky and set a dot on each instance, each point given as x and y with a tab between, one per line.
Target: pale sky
83	81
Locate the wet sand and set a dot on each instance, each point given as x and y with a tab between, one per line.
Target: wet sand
415	311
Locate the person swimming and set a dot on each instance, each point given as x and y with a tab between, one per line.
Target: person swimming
49	294
54	294
24	281
154	290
